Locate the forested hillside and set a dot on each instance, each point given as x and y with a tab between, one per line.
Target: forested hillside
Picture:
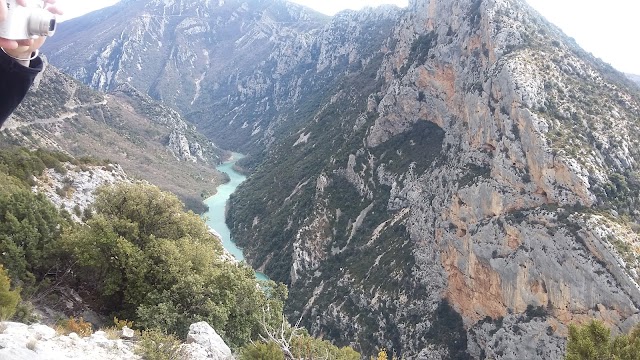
137	255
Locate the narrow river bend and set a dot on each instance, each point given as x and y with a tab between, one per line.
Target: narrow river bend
217	204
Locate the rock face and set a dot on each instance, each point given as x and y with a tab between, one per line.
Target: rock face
462	205
455	180
40	342
209	59
203	342
634	78
243	71
74	191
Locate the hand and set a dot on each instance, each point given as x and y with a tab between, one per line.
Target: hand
23	48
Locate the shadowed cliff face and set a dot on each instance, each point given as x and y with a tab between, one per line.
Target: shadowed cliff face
455	180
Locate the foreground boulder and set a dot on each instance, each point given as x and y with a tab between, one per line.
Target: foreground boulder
203	342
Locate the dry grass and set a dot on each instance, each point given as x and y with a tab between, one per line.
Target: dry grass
73	325
112	333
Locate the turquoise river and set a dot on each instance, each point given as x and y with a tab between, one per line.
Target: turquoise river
215	217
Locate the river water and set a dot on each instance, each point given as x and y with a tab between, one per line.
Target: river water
217	204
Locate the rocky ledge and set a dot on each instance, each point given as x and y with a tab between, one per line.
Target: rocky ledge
40	342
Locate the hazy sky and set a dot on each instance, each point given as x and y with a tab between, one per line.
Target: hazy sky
609	29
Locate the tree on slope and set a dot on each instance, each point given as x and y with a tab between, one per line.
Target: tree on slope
593	341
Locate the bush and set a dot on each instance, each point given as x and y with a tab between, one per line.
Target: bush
9	299
73	325
298	344
261	350
25	313
146	259
29	228
307	347
120	324
156	345
593	341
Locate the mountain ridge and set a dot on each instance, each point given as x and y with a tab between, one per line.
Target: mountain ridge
290	61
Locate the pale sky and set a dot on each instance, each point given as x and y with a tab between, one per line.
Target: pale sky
609	29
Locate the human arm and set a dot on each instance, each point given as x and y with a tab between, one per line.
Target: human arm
15	80
17	68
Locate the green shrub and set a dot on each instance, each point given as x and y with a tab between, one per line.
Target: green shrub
307	347
147	260
262	351
29	227
593	341
25	313
9	299
301	346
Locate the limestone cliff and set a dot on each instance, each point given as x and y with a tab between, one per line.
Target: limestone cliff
490	172
226	65
73	189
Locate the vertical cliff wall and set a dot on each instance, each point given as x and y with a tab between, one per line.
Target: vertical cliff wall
472	199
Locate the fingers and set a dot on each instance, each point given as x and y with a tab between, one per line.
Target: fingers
22	2
54	10
8	44
22	47
27	42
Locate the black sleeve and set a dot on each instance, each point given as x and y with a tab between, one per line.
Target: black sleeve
15	80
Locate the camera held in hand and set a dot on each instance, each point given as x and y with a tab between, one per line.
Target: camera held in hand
27	22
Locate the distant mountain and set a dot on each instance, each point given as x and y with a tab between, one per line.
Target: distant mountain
635	78
454	180
211	60
148	139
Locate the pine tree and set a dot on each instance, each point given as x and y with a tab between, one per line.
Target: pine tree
593	341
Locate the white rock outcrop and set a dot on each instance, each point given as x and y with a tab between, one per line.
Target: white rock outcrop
74	190
203	342
40	342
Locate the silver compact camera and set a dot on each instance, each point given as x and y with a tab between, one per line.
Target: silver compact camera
27	22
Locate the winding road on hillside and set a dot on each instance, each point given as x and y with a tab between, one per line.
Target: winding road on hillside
11	124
